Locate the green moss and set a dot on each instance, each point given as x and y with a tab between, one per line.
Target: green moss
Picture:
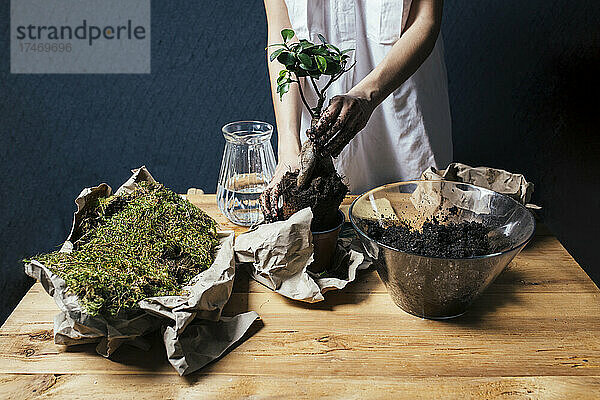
148	243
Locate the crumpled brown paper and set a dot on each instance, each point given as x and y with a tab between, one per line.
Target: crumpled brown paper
279	254
194	332
498	180
430	197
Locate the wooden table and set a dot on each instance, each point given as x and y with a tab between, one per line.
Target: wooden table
535	333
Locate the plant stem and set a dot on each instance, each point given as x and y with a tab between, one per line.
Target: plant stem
321	94
319	107
315	85
303	98
316	112
331	80
338	76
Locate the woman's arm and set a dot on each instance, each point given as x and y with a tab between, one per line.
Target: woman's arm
287	111
407	54
348	114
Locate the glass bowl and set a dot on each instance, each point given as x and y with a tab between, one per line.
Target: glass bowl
436	287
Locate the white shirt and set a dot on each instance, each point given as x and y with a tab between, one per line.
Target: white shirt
411	129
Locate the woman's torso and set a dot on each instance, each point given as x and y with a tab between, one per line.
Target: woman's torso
411	129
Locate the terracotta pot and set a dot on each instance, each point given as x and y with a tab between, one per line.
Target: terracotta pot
324	246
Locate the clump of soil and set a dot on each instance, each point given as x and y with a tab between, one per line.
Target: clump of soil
451	240
324	195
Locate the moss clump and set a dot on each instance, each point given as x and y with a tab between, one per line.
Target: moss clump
148	243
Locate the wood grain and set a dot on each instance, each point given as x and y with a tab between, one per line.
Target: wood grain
535	333
210	386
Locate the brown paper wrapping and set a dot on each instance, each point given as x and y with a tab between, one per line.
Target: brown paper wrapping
278	255
194	333
498	180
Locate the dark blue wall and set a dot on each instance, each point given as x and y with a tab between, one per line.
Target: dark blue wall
521	76
524	83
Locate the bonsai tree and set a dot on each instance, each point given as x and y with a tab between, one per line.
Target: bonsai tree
310	60
317	184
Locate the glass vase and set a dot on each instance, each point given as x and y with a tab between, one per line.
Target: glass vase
247	168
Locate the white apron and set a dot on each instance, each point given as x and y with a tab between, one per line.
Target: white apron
411	129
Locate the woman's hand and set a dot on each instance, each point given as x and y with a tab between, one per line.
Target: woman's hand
269	199
346	116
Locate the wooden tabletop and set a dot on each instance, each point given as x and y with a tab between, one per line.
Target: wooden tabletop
535	333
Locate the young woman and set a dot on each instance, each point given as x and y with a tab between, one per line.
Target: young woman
389	118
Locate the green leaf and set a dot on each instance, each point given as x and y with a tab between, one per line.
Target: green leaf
306	60
287	34
305	44
286	58
283	89
321	63
275	54
347	51
296	48
283	79
332	47
333	69
322	38
330	59
283	72
320	50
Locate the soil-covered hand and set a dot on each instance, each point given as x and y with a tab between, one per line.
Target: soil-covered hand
270	199
341	121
